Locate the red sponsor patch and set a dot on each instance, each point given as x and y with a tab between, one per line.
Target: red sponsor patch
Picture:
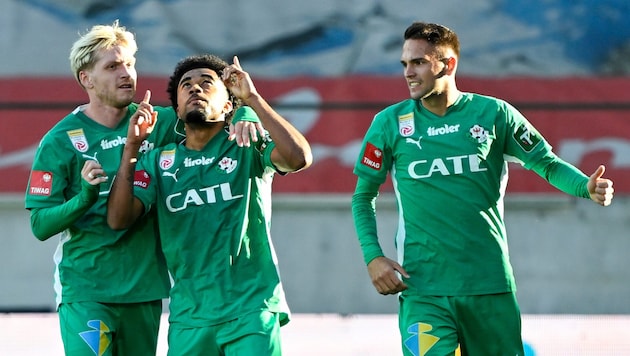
141	179
372	157
41	183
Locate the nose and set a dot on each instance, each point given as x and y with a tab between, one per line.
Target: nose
408	71
195	88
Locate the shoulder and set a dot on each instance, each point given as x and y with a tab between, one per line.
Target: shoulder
68	126
395	111
486	101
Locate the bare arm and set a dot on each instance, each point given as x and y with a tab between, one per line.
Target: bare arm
292	152
123	208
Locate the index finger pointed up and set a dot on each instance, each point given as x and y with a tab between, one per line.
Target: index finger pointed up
147	97
236	62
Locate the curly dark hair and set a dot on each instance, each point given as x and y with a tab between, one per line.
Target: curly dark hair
209	61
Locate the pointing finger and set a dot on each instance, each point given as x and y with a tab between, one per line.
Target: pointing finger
147	97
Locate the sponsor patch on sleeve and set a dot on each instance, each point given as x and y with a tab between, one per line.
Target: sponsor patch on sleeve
41	183
526	138
141	179
372	157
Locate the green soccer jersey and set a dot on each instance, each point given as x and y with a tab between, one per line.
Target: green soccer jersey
94	262
449	175
214	210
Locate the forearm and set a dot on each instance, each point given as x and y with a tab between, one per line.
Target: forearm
292	152
563	176
120	204
47	222
364	215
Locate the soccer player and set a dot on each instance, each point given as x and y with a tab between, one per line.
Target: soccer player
213	201
447	153
109	284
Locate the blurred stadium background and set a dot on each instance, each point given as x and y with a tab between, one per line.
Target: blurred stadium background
329	66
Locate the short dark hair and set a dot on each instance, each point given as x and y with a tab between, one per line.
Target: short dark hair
209	61
438	35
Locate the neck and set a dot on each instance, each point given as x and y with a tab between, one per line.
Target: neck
198	135
439	103
108	116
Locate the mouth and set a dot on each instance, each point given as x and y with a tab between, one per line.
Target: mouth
127	86
196	101
413	84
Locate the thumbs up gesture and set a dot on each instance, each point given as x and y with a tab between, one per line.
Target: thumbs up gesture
600	189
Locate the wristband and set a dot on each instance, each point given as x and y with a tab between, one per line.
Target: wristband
245	113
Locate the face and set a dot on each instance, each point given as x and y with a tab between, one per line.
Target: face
202	97
423	68
112	80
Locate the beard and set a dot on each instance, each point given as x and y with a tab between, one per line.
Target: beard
196	117
200	116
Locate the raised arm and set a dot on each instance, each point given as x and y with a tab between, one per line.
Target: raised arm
123	208
292	152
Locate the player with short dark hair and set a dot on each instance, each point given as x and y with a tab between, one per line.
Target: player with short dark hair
213	200
447	153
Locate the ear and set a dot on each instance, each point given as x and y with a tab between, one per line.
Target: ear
451	64
228	107
85	80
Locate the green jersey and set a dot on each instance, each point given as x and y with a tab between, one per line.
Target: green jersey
214	210
449	175
94	262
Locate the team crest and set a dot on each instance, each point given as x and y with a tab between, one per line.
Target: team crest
167	158
146	146
479	134
227	165
79	142
406	125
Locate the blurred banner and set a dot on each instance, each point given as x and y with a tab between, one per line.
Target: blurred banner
585	119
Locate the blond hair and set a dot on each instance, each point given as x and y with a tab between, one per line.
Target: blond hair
83	54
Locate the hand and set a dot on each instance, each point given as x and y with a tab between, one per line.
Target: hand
93	173
382	271
142	122
238	81
243	131
600	189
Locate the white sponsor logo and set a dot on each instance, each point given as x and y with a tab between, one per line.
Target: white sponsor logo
208	195
172	175
415	142
203	161
443	130
445	166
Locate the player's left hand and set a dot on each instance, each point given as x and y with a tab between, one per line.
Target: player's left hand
600	189
245	132
238	81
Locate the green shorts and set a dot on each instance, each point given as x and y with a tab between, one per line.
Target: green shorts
480	325
106	329
253	334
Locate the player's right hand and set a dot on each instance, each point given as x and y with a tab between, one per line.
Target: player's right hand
382	271
142	122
